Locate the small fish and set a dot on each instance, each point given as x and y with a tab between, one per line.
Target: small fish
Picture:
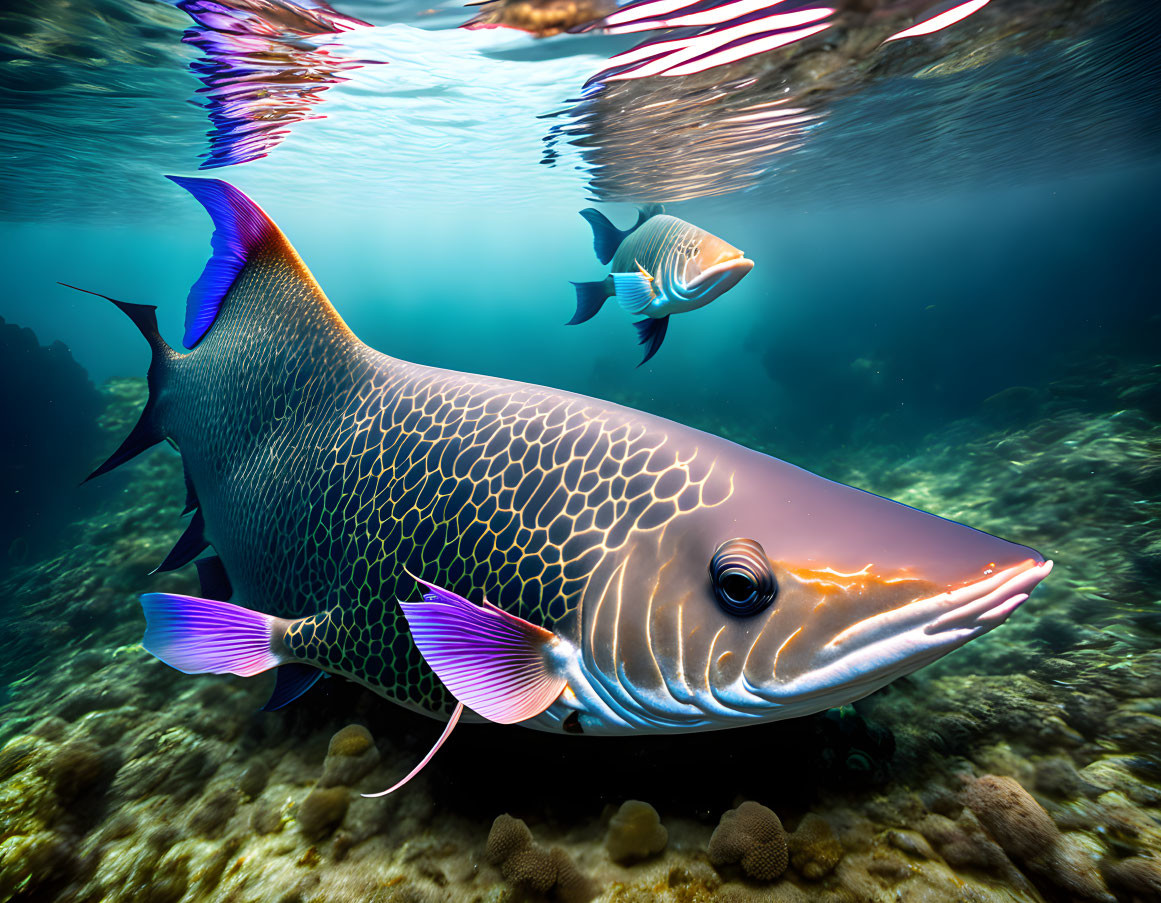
661	266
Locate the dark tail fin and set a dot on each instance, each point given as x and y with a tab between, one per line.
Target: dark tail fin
590	297
652	332
607	237
148	431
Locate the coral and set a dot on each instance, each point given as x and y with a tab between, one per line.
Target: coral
752	836
352	740
322	811
351	755
74	767
1134	880
528	867
635	832
507	837
1012	817
1028	834
814	848
210	818
253	779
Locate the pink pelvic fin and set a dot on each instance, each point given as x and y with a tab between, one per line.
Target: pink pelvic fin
452	722
493	662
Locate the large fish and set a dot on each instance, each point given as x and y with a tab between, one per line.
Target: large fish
642	576
660	267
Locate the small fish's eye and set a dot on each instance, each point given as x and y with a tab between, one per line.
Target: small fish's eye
742	579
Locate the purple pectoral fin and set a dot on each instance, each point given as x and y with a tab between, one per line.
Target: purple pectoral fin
493	662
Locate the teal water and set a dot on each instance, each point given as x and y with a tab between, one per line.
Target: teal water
953	304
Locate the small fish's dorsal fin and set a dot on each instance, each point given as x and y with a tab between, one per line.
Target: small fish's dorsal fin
607	237
244	239
647	211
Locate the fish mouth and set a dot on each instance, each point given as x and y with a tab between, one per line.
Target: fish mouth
734	262
987	602
886	646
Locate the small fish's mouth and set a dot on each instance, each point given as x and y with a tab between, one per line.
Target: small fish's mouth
733	263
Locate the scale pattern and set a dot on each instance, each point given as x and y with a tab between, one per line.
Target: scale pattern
326	471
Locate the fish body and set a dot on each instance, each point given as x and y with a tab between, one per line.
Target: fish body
660	267
639	575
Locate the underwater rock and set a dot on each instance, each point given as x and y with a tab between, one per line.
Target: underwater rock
1012	817
753	837
253	779
1027	833
1134	880
528	867
814	848
635	832
49	409
351	756
211	817
322	811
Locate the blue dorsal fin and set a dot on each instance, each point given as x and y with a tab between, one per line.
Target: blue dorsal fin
240	227
607	237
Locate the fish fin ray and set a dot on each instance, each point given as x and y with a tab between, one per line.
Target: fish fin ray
148	430
634	291
206	635
492	661
590	298
291	681
651	332
243	236
189	545
215	584
607	237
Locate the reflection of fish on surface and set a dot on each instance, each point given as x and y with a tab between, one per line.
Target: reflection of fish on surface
661	266
542	18
643	576
264	67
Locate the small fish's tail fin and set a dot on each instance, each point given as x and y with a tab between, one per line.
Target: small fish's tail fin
590	298
607	237
201	636
148	431
651	332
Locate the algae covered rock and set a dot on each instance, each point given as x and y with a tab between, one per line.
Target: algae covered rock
751	836
528	867
814	848
351	755
322	811
635	832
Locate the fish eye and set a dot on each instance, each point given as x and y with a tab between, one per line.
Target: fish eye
742	579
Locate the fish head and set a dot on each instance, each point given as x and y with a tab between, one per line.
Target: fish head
778	594
712	266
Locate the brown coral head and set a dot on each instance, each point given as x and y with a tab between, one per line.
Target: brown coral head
753	837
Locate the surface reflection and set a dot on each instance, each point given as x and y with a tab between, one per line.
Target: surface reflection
714	96
264	66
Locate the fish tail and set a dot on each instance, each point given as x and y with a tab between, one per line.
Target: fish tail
149	430
201	636
607	237
206	635
590	298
